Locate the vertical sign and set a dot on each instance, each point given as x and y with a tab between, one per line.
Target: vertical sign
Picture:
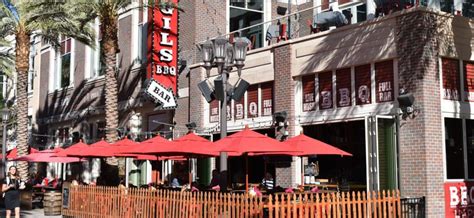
163	55
459	199
451	79
267	98
252	101
214	111
325	90
469	81
384	81
309	95
362	84
343	87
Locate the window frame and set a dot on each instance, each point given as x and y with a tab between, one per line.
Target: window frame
266	16
59	59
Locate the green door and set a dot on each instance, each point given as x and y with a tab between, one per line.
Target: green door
387	153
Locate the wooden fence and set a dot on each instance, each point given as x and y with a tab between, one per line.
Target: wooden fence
89	201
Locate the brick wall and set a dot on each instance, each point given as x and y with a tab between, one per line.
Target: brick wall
421	150
284	101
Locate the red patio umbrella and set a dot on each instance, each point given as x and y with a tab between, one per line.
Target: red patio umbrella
303	145
155	146
73	149
250	142
14	153
104	149
307	146
47	156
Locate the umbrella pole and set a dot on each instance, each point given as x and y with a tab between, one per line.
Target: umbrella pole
302	171
190	178
246	173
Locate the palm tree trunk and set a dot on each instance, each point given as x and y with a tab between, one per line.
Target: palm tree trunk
22	64
109	30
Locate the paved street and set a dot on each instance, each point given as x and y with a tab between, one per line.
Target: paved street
36	213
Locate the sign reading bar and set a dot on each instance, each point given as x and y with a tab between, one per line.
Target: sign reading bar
163	53
451	79
384	81
459	199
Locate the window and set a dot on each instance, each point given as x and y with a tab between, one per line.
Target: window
65	68
31	71
97	61
454	148
361	13
101	130
447	6
245	13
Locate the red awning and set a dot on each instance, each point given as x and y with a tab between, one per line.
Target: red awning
251	142
305	146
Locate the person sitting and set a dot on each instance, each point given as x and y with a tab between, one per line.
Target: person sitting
267	182
215	178
175	183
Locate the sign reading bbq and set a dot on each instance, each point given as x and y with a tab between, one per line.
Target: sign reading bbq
163	54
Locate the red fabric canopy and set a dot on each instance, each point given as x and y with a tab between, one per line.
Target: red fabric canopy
109	150
304	146
73	149
47	156
193	144
251	142
156	146
14	153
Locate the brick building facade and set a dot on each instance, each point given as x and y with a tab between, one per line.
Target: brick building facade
349	100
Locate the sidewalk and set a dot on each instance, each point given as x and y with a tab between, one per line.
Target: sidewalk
36	213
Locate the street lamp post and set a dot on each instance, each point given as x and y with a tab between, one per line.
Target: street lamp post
5	115
224	56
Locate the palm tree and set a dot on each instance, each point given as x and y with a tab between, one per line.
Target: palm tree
49	20
107	11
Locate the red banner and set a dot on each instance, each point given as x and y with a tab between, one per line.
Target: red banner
459	199
451	79
214	111
239	109
325	90
343	87
252	101
162	66
267	98
384	81
362	84
469	80
309	95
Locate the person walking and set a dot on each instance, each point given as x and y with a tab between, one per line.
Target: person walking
11	189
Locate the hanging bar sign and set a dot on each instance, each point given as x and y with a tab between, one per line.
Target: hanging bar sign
163	55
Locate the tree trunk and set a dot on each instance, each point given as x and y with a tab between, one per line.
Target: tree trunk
109	30
22	51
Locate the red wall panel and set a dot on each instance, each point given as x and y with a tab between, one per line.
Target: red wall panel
384	81
451	79
469	80
362	84
343	87
309	95
325	90
252	101
214	111
267	98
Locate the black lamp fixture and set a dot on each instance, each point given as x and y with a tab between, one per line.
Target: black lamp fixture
191	126
406	102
